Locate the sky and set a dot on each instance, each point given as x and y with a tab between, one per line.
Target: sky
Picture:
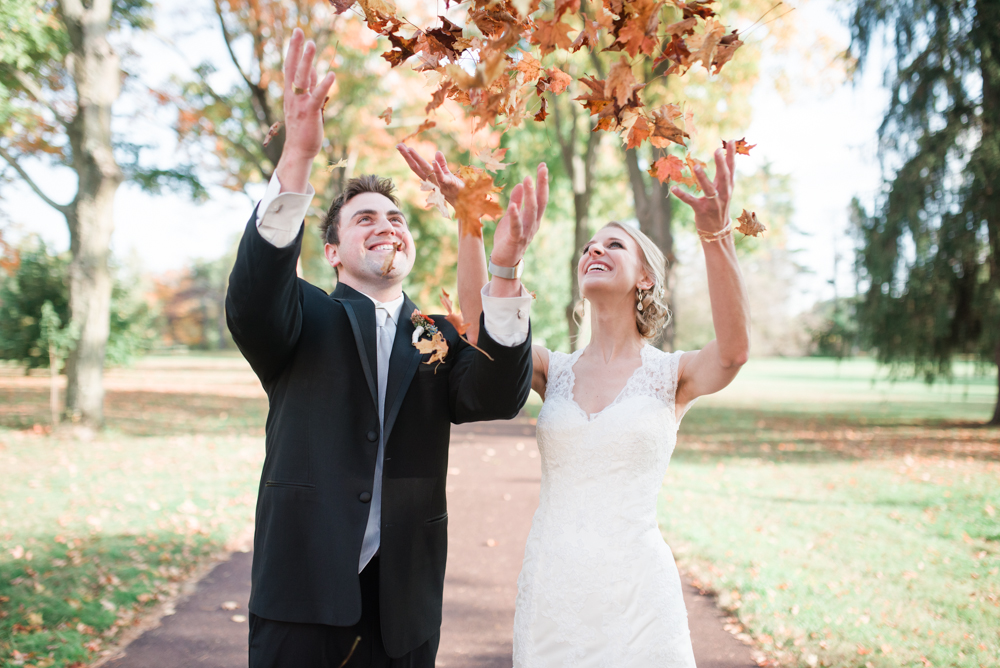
823	134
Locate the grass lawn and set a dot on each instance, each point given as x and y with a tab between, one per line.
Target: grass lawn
844	523
92	534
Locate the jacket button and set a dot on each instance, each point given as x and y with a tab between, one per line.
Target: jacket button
365	497
372	435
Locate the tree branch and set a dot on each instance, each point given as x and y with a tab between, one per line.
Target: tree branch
72	9
229	45
35	91
61	208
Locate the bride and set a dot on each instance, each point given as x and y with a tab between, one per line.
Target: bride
599	586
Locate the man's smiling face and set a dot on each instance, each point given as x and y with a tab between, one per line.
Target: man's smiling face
371	229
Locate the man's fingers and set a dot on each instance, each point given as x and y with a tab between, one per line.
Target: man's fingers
305	65
292	58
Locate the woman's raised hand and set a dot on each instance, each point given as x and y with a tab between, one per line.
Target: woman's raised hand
711	212
436	172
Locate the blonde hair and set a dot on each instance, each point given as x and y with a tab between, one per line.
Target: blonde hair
655	314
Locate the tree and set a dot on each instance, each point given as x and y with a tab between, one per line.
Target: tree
59	77
57	341
929	255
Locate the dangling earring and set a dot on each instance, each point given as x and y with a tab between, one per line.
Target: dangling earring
638	293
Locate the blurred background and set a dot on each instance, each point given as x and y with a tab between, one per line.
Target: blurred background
865	427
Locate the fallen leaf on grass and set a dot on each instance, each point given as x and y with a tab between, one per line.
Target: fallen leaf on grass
749	225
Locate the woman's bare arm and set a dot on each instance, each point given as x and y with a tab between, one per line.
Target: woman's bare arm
715	366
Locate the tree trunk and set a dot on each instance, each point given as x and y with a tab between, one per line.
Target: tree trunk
96	73
652	209
996	411
54	385
580	171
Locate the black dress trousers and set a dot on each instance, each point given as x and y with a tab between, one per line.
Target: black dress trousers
275	644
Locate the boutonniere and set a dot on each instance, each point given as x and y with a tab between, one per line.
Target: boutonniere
434	343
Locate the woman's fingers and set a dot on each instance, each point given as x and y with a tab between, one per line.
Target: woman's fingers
542	196
687	198
706	185
731	162
322	90
721	173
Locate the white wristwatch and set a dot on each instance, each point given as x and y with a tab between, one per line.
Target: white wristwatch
507	272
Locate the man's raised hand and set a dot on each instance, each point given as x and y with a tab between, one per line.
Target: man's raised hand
521	220
303	103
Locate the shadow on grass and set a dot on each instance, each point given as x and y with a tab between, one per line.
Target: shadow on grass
143	413
783	436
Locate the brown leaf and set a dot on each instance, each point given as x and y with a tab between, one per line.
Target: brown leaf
272	132
390	258
703	46
698	8
386	115
638	32
563	6
749	225
558	80
437	346
426	125
664	129
595	101
529	65
742	147
437	99
588	37
668	168
638	133
474	202
454	317
543	111
725	51
620	82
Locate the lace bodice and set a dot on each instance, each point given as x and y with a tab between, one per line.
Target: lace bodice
599	586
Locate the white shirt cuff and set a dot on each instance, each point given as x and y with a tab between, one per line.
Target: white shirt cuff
506	318
280	215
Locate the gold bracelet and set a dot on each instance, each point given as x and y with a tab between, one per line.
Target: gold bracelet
709	237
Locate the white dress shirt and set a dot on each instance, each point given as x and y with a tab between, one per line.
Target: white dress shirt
280	216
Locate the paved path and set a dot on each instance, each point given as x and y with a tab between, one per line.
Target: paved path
492	492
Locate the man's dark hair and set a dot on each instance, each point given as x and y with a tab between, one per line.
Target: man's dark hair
329	229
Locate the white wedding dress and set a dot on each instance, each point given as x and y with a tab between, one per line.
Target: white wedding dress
599	586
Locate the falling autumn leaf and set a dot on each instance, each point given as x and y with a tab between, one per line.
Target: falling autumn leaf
390	258
386	115
749	225
272	132
558	80
620	82
742	147
341	6
336	165
426	125
668	168
551	35
454	317
435	198
475	202
491	159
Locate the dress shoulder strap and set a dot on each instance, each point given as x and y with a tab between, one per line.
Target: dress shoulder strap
560	376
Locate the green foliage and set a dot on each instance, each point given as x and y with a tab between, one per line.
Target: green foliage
54	338
930	249
835	333
42	278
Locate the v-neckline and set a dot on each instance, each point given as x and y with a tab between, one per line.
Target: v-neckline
572	386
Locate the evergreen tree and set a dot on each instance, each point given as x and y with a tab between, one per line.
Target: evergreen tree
930	253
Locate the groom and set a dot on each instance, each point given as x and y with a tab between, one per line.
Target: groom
351	523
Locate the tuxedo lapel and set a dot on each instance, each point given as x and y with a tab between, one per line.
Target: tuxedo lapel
402	365
361	312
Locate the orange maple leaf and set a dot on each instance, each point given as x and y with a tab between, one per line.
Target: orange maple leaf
749	225
725	51
386	115
529	65
551	35
595	101
492	159
454	317
664	129
588	37
437	346
638	133
475	202
620	82
558	80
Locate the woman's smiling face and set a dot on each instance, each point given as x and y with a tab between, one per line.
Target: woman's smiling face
610	264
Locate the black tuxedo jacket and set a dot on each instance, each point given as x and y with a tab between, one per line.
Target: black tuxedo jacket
315	355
